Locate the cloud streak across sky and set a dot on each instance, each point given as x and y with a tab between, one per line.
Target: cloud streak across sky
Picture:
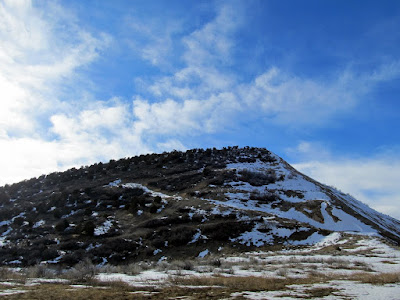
80	86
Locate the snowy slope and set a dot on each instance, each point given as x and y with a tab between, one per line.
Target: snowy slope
300	198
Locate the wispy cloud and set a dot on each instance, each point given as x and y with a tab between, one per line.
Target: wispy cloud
207	51
41	50
36	59
206	95
212	44
152	39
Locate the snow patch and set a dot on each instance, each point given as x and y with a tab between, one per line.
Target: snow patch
204	253
115	183
155	252
104	228
39	223
197	236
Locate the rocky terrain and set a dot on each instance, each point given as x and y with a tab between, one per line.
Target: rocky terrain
161	207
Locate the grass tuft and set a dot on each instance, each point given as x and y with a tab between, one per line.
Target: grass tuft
378	279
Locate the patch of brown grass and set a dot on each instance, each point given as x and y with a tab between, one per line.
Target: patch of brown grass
213	287
115	291
7	274
248	283
320	292
312	293
61	291
378	279
117	284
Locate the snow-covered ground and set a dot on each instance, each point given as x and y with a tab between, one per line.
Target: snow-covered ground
332	268
358	255
339	289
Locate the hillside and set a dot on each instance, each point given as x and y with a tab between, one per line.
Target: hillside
175	205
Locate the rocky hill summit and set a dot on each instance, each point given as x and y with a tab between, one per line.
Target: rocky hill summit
176	205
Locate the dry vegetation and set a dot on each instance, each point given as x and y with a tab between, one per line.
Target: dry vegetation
215	287
216	278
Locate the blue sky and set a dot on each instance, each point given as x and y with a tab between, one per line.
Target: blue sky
316	82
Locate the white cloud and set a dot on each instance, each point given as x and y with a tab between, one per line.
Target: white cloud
36	59
190	117
171	145
372	180
41	49
98	133
216	99
152	39
24	158
309	151
94	135
193	99
207	52
291	100
212	43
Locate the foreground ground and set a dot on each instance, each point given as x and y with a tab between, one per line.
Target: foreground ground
340	267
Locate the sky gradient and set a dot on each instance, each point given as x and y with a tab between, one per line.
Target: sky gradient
316	82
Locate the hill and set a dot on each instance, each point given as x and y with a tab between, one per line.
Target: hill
176	205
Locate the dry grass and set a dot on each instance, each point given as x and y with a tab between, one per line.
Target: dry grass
115	291
313	293
213	287
9	275
248	283
40	271
320	292
129	269
306	262
377	279
255	283
389	262
60	291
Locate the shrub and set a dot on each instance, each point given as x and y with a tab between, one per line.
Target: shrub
3	197
182	265
62	225
154	207
265	197
88	228
177	236
224	231
83	271
208	171
216	262
70	245
58	213
39	271
72	258
9	274
19	221
49	254
258	178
